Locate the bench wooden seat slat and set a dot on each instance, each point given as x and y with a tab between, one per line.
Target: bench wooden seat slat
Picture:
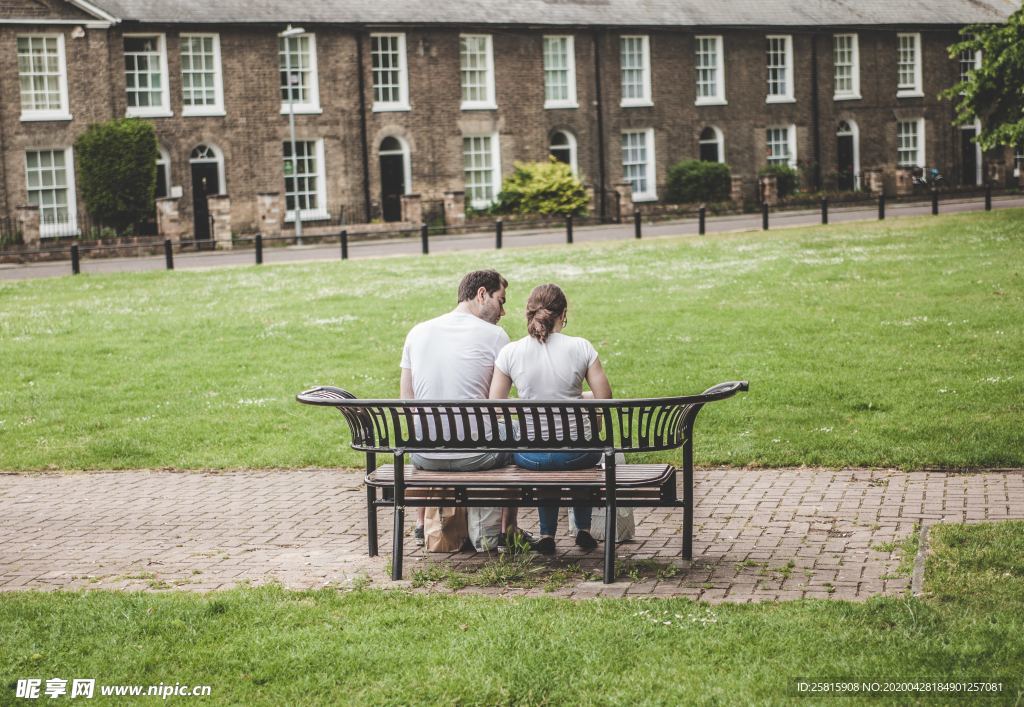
626	475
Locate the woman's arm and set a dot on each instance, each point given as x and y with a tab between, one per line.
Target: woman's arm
596	379
500	385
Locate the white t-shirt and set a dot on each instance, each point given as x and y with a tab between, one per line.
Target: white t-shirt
553	370
452	358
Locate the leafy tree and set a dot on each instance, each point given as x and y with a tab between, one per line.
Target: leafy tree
117	171
542	188
994	92
695	180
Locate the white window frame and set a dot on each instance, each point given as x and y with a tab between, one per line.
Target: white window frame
719	141
571	139
488	102
320	213
787	76
854	93
908	90
1018	160
163	164
570	101
645	47
920	159
311	106
718	98
649	165
495	169
71	227
790	143
218	158
164	109
63	112
855	132
217	109
402	104
974	59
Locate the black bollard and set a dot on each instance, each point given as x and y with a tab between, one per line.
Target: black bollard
881	207
764	215
824	210
988	197
568	229
636	223
75	265
168	254
344	245
424	236
935	202
259	249
499	228
701	217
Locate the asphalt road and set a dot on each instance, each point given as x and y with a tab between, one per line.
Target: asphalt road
410	245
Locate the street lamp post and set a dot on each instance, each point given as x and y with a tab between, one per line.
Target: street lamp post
292	81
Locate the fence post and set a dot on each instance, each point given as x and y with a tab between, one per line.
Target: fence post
764	215
824	210
881	207
344	244
75	265
259	249
424	236
935	202
988	196
168	254
568	229
701	216
499	227
636	221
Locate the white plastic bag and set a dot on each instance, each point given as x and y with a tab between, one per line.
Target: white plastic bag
484	528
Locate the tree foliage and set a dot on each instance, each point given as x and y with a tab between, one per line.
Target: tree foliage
117	171
697	181
787	179
994	92
542	188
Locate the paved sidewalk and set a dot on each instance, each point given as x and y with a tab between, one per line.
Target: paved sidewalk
760	534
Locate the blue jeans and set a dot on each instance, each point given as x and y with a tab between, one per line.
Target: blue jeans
559	461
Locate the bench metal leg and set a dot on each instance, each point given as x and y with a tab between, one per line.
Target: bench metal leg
609	518
399	532
371	520
688	514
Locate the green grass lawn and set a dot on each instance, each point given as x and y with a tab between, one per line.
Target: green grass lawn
271	646
892	343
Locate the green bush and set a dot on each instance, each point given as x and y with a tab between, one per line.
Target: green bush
117	172
787	179
694	180
542	188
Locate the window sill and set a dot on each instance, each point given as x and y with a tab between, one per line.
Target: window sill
780	99
641	198
711	102
479	106
555	105
158	113
307	216
301	109
908	93
847	97
40	117
636	104
390	107
203	113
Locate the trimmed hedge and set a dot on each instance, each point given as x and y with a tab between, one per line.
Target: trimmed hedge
697	181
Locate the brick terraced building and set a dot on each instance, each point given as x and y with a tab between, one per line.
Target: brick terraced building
397	97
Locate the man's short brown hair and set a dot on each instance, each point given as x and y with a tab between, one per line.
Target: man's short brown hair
471	284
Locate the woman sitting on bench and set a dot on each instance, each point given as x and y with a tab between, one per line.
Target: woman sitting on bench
548	365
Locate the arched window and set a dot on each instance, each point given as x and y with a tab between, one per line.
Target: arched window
163	173
712	146
563	148
206	154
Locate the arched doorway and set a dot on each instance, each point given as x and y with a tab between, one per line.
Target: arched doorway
207	166
710	144
847	156
563	148
394	177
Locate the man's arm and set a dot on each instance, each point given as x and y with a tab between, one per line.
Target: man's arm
405	389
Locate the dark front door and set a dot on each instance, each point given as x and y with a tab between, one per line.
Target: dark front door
969	157
205	181
392	186
844	162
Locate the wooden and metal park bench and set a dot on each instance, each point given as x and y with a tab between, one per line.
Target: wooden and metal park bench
402	427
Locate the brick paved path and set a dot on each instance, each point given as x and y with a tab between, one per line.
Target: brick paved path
209	530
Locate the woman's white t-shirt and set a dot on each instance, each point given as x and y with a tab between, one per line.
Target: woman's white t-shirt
553	370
